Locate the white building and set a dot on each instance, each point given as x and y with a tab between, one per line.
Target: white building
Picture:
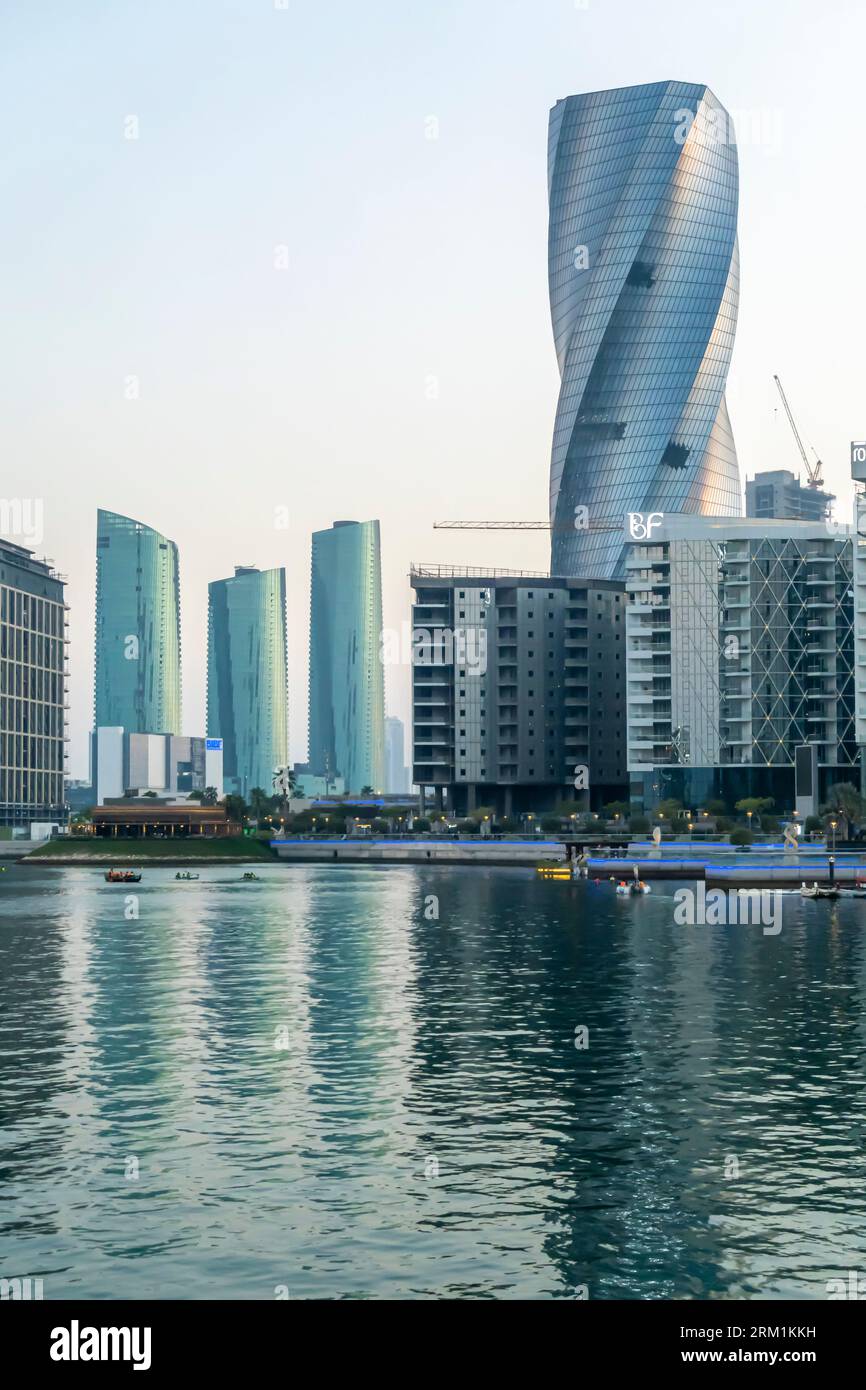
740	649
168	764
397	775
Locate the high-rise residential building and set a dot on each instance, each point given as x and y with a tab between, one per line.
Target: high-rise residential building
32	689
643	270
741	650
347	687
247	676
518	690
397	778
137	669
781	495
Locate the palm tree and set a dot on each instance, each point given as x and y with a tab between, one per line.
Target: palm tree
845	803
367	791
260	803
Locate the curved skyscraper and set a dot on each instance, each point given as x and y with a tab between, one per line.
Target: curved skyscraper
347	687
643	273
247	676
137	676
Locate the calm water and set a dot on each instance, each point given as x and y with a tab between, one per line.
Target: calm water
157	1043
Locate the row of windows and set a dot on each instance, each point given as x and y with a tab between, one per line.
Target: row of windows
30	683
26	788
30	649
26	751
31	717
26	610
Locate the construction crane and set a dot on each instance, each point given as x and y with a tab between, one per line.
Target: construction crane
513	526
491	525
813	470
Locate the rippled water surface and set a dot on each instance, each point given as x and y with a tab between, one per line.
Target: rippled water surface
253	1086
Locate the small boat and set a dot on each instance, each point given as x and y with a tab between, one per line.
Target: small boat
186	878
122	876
250	878
816	892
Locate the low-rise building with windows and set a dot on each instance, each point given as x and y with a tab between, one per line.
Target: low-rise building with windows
518	690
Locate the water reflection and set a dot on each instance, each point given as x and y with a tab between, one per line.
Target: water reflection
212	1088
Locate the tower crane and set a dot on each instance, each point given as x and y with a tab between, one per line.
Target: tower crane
511	526
813	470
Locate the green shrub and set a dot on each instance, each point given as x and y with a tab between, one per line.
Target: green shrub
741	836
639	825
421	824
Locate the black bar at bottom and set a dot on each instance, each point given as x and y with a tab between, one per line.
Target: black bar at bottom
165	1339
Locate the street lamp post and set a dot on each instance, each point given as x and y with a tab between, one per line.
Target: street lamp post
832	862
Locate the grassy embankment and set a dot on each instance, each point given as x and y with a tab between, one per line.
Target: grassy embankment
87	849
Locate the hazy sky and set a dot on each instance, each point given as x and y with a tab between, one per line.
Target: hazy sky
402	365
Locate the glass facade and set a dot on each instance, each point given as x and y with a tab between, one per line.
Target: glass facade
741	649
643	270
347	686
247	676
32	689
137	677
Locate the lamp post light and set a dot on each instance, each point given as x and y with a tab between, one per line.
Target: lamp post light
832	861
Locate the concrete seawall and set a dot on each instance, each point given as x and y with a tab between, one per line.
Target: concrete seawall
503	852
752	875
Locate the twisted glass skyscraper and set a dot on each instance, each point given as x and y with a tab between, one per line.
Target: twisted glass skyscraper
137	678
643	273
347	687
247	676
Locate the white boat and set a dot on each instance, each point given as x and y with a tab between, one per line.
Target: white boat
816	892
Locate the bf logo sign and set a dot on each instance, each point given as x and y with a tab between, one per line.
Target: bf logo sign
642	524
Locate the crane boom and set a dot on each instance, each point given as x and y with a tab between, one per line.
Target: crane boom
491	525
813	470
509	526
